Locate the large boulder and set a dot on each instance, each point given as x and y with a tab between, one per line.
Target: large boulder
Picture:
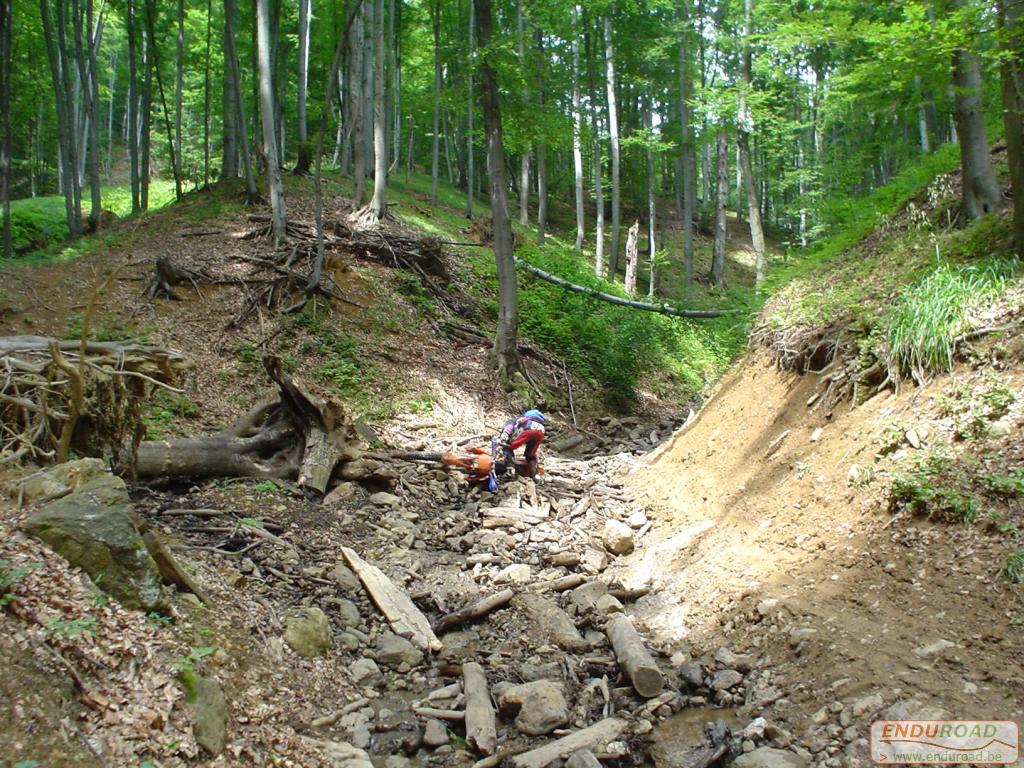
308	632
541	706
58	480
205	700
768	757
95	529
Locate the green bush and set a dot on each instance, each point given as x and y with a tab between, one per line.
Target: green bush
938	488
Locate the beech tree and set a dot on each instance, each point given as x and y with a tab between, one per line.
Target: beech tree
267	111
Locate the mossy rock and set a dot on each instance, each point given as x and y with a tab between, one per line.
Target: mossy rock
205	700
62	478
308	632
95	529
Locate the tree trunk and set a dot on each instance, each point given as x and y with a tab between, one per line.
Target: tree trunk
435	152
687	160
6	18
380	147
132	116
1012	77
721	197
524	159
179	83
631	258
358	118
278	220
922	118
206	95
505	342
369	6
577	130
56	52
155	56
470	178
651	204
613	130
744	126
542	156
981	193
595	126
229	117
241	124
302	163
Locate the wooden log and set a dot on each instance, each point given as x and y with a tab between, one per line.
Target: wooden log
481	729
433	713
634	660
169	568
405	618
473	611
571	581
594	738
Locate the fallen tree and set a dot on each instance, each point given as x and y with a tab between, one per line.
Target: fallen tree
663	309
296	435
59	395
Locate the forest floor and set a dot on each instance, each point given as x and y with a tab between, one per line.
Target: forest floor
769	575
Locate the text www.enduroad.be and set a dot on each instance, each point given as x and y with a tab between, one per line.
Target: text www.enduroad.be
945	757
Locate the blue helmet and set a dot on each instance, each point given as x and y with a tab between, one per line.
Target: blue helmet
534	414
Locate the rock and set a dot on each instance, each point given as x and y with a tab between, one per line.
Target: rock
343	492
308	632
728	659
933	649
692	674
637	519
608	604
435	733
552	624
396	761
617	537
816	434
726	679
346	580
516	573
755	730
341	754
365	672
868	705
584	598
348	613
95	529
582	758
767	606
913	438
541	704
385	499
769	757
58	480
347	641
594	561
1001	428
360	469
394	650
205	701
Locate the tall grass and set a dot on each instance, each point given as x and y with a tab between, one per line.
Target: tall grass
921	329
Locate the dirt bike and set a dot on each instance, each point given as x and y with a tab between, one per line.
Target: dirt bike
477	463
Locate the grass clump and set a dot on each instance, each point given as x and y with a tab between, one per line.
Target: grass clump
1013	567
165	410
921	331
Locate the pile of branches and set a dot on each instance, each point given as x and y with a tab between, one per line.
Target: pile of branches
59	395
296	267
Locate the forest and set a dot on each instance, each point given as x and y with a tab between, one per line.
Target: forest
510	383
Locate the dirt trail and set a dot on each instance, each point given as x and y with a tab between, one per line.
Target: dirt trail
763	541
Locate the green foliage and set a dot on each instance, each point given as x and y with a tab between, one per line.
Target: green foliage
68	628
921	329
11	576
155	619
165	410
103	332
1010	485
266	486
340	366
936	487
195	655
1013	567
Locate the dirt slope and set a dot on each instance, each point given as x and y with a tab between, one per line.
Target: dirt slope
764	542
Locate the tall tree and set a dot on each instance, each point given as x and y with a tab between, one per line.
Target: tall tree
744	125
721	199
542	156
506	349
357	116
687	164
132	111
6	18
278	216
241	129
1012	77
577	129
380	147
206	94
151	11
302	163
652	250
613	133
179	81
470	177
595	130
524	159
980	191
436	139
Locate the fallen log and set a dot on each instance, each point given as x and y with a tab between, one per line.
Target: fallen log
593	738
433	713
634	660
662	309
473	611
481	729
405	618
298	435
